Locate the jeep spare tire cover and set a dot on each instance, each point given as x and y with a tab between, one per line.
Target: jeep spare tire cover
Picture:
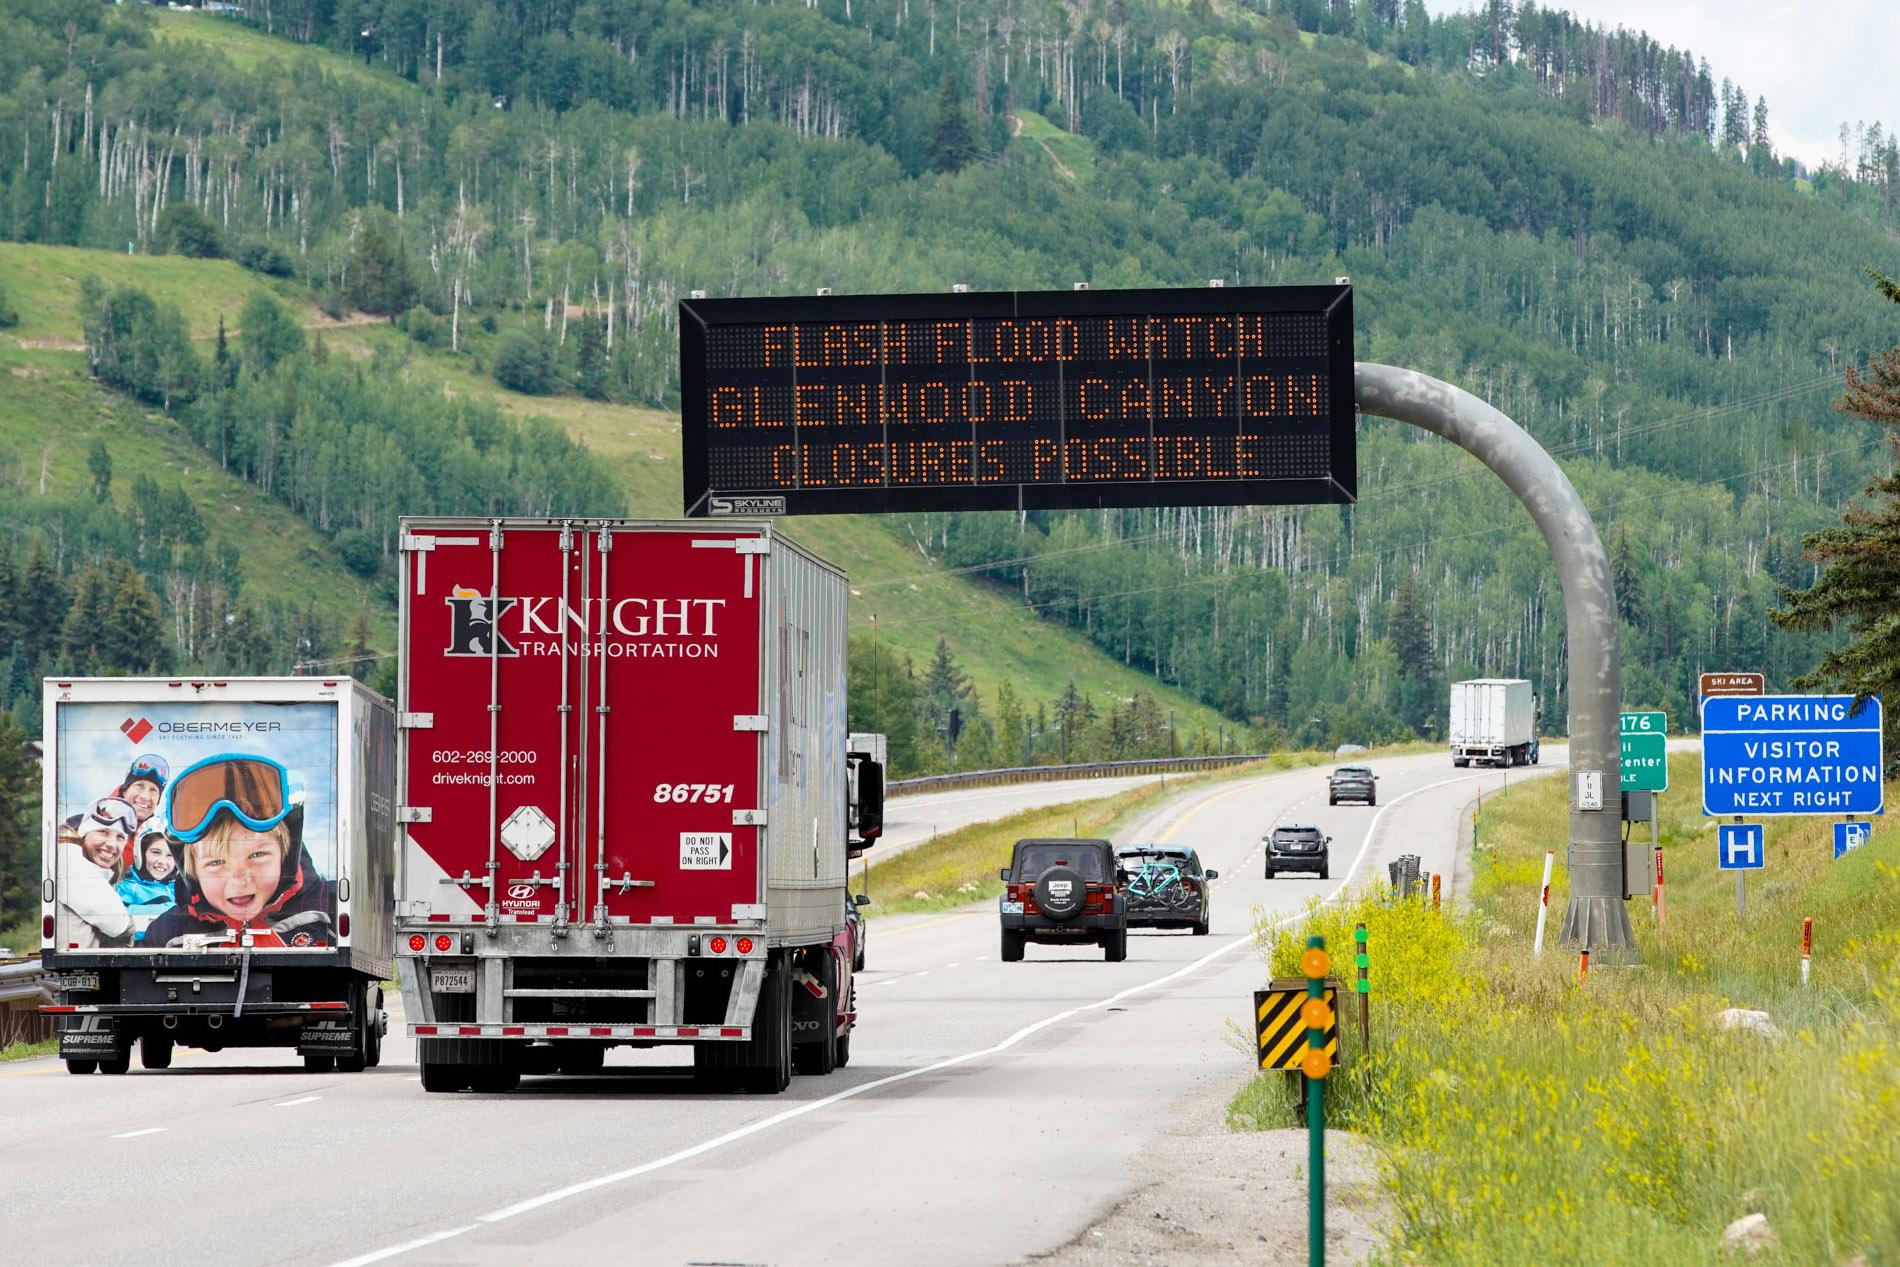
1060	892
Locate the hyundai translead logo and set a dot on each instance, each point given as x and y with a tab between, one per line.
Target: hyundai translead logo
481	626
136	728
520	892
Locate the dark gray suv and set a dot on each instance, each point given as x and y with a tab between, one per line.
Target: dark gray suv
1063	891
1299	847
1353	783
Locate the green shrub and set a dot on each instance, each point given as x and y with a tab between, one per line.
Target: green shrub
524	363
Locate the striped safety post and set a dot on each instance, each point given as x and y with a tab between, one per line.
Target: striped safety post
1363	961
1807	946
1315	1065
1662	906
1543	901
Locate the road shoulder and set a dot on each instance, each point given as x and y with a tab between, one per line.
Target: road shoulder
1230	1197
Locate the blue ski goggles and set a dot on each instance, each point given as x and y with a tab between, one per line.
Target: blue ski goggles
255	790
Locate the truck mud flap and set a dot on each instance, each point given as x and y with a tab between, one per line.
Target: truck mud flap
335	1035
88	1037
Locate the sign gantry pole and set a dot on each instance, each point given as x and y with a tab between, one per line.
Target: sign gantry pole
1596	916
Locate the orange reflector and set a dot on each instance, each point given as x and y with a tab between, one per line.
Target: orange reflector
1315	963
717	945
745	945
1316	1063
1314	1014
444	943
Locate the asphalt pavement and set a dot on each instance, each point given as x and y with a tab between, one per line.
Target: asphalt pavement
990	1110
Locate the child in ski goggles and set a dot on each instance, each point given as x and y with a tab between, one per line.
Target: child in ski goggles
256	791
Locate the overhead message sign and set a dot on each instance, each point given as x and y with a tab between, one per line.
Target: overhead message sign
1018	400
1645	752
1791	754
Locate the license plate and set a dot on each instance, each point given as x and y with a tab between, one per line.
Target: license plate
1012	908
79	980
452	980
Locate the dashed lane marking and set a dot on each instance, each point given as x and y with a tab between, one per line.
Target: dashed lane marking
302	1099
150	1130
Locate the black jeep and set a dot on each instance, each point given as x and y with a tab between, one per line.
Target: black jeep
1064	891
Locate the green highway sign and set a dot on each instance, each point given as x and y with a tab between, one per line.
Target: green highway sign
1644	752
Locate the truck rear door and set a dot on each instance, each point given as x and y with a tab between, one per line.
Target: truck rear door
579	703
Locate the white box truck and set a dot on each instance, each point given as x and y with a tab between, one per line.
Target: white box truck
627	800
218	867
1493	722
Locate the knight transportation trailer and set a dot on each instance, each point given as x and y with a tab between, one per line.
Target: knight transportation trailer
216	867
627	801
1493	722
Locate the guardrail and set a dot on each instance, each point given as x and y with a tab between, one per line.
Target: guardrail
23	987
1050	773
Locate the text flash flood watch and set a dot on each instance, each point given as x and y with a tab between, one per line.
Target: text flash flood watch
1019	400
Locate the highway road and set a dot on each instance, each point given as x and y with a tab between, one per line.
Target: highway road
910	821
990	1110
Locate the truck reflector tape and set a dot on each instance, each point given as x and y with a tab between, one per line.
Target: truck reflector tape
686	1032
468	1029
424	1030
513	1031
732	1032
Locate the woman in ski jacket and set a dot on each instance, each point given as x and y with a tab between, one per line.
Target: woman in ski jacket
91	849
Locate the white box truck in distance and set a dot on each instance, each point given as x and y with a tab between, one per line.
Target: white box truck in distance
626	800
218	862
1493	722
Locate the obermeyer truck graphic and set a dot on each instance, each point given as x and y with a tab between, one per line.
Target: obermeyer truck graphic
218	859
626	799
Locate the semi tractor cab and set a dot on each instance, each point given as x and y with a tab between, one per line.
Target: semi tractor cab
627	802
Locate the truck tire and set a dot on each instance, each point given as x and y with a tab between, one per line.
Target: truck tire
581	1059
766	1060
319	1064
373	1034
358	1060
155	1051
1012	945
844	1049
81	1066
121	1061
439	1075
1115	946
1460	762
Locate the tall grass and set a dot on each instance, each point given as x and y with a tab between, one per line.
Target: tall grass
1524	1117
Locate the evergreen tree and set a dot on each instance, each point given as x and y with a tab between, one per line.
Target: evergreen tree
9	595
82	635
881	697
1409	632
946	700
1626	576
952	144
43	600
1859	586
224	367
379	272
590	360
1012	730
19	822
245	646
99	463
134	638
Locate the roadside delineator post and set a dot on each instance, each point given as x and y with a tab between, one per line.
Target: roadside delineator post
1543	901
1363	961
1807	946
1436	877
1662	906
1583	965
1315	1065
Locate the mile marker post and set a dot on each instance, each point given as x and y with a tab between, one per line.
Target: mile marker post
1315	1065
1543	901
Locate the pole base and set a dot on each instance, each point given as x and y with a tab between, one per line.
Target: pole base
1597	924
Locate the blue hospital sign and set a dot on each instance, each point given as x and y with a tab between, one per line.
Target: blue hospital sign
1739	846
1791	754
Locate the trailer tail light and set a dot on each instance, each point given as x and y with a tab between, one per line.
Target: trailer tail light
745	945
343	924
417	943
444	943
717	945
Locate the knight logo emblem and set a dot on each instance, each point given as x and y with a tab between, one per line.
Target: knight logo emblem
472	619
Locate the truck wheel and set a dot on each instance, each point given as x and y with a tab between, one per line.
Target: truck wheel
768	1057
373	1031
440	1076
121	1061
155	1051
1012	945
1115	946
1460	762
319	1064
81	1066
494	1079
844	1050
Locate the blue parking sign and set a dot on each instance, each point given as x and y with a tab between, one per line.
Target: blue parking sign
1739	846
1850	836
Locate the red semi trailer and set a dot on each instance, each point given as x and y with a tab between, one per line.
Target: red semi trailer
626	800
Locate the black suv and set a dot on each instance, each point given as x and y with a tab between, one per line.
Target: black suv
1166	887
1299	847
1353	783
1063	891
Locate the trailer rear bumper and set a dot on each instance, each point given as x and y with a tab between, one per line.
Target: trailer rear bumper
157	1010
616	1033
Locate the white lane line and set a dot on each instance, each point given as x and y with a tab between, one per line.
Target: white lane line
405	1247
812	1106
150	1130
958	964
302	1099
979	959
924	973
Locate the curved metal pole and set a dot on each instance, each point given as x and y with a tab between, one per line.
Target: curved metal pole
1596	918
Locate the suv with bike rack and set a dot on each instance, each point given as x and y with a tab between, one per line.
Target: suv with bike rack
1166	887
1063	891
